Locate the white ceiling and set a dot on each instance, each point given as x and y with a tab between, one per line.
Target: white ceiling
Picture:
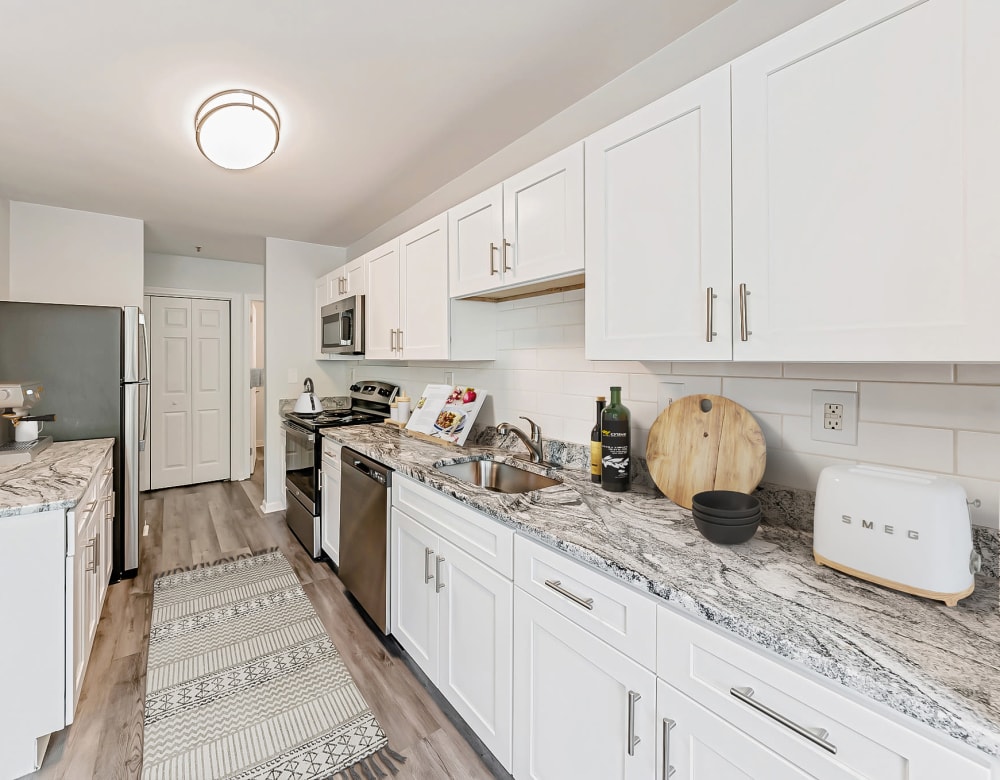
381	103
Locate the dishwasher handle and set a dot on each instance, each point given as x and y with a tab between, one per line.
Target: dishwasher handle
374	471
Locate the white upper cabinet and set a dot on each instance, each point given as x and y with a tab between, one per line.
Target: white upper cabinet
382	301
527	230
347	280
865	162
658	229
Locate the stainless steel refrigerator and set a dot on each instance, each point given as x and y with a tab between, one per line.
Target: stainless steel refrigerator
93	362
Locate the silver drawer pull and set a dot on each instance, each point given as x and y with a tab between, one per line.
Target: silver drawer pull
668	771
815	735
428	552
109	471
633	740
556	585
91	545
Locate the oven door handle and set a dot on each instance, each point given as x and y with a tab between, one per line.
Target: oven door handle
298	431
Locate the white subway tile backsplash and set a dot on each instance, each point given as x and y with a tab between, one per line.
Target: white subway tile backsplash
781	396
561	314
729	369
979	454
940	418
926	449
967	407
876	372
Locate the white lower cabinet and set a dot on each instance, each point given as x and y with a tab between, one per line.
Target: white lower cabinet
330	509
693	743
582	710
453	615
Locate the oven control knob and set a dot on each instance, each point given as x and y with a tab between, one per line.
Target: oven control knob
355	388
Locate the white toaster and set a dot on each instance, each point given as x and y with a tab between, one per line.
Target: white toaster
901	529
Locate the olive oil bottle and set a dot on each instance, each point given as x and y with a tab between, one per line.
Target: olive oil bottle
616	444
595	444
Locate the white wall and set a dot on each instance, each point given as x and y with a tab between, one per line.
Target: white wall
930	417
734	31
203	273
290	272
258	362
67	256
4	249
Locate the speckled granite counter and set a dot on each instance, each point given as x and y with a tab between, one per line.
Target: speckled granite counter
56	479
936	664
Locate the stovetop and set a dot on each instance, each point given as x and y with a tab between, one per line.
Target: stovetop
332	418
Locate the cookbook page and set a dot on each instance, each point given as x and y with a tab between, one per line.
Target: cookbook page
447	412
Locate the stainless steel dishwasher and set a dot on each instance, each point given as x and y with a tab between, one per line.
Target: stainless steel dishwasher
364	538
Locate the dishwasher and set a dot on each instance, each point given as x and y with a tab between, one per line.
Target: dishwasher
364	537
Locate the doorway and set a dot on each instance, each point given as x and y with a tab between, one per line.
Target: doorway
256	360
190	399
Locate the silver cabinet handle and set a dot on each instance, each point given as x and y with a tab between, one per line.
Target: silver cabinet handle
437	573
92	566
493	251
343	285
109	471
400	340
817	736
668	771
97	551
428	552
556	585
109	510
633	740
744	331
392	340
710	297
90	507
506	244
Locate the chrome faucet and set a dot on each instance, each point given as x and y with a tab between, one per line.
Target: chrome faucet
533	443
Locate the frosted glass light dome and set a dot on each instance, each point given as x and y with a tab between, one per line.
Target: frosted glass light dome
237	129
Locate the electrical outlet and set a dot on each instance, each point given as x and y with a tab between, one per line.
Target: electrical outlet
835	416
449	378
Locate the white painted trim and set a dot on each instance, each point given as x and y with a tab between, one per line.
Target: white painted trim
273	506
248	445
239	372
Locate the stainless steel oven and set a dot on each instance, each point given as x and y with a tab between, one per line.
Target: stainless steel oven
342	324
302	510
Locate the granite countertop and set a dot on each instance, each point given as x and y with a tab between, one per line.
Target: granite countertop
56	479
939	665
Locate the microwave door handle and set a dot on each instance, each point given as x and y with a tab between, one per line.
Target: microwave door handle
345	329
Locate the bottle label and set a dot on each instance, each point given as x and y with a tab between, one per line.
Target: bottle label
595	459
615	445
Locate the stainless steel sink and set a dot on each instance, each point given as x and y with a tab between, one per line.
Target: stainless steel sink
498	477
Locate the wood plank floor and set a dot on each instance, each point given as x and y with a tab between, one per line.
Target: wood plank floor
197	524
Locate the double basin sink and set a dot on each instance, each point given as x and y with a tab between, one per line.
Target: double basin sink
496	476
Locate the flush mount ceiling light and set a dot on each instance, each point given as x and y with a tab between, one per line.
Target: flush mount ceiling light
237	129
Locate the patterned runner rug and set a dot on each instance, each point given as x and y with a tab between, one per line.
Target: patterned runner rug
243	682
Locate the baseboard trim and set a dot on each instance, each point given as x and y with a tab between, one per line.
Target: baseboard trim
266	507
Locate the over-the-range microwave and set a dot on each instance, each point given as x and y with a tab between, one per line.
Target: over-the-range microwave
342	324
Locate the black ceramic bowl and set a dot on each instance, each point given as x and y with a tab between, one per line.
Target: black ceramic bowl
726	534
708	517
726	503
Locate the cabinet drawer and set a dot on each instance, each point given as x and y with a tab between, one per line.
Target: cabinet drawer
484	539
752	691
612	611
78	517
331	449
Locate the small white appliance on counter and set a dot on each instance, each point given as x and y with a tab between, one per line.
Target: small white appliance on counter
901	529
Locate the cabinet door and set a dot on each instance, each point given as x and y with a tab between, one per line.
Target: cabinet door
543	219
864	184
423	260
474	665
354	277
699	745
107	541
382	302
330	519
82	580
414	605
572	698
476	231
95	592
659	229
334	286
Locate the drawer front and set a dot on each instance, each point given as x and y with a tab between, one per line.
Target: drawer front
331	449
484	539
786	710
612	611
78	517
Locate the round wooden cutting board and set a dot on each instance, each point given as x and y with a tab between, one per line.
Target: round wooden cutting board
705	442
